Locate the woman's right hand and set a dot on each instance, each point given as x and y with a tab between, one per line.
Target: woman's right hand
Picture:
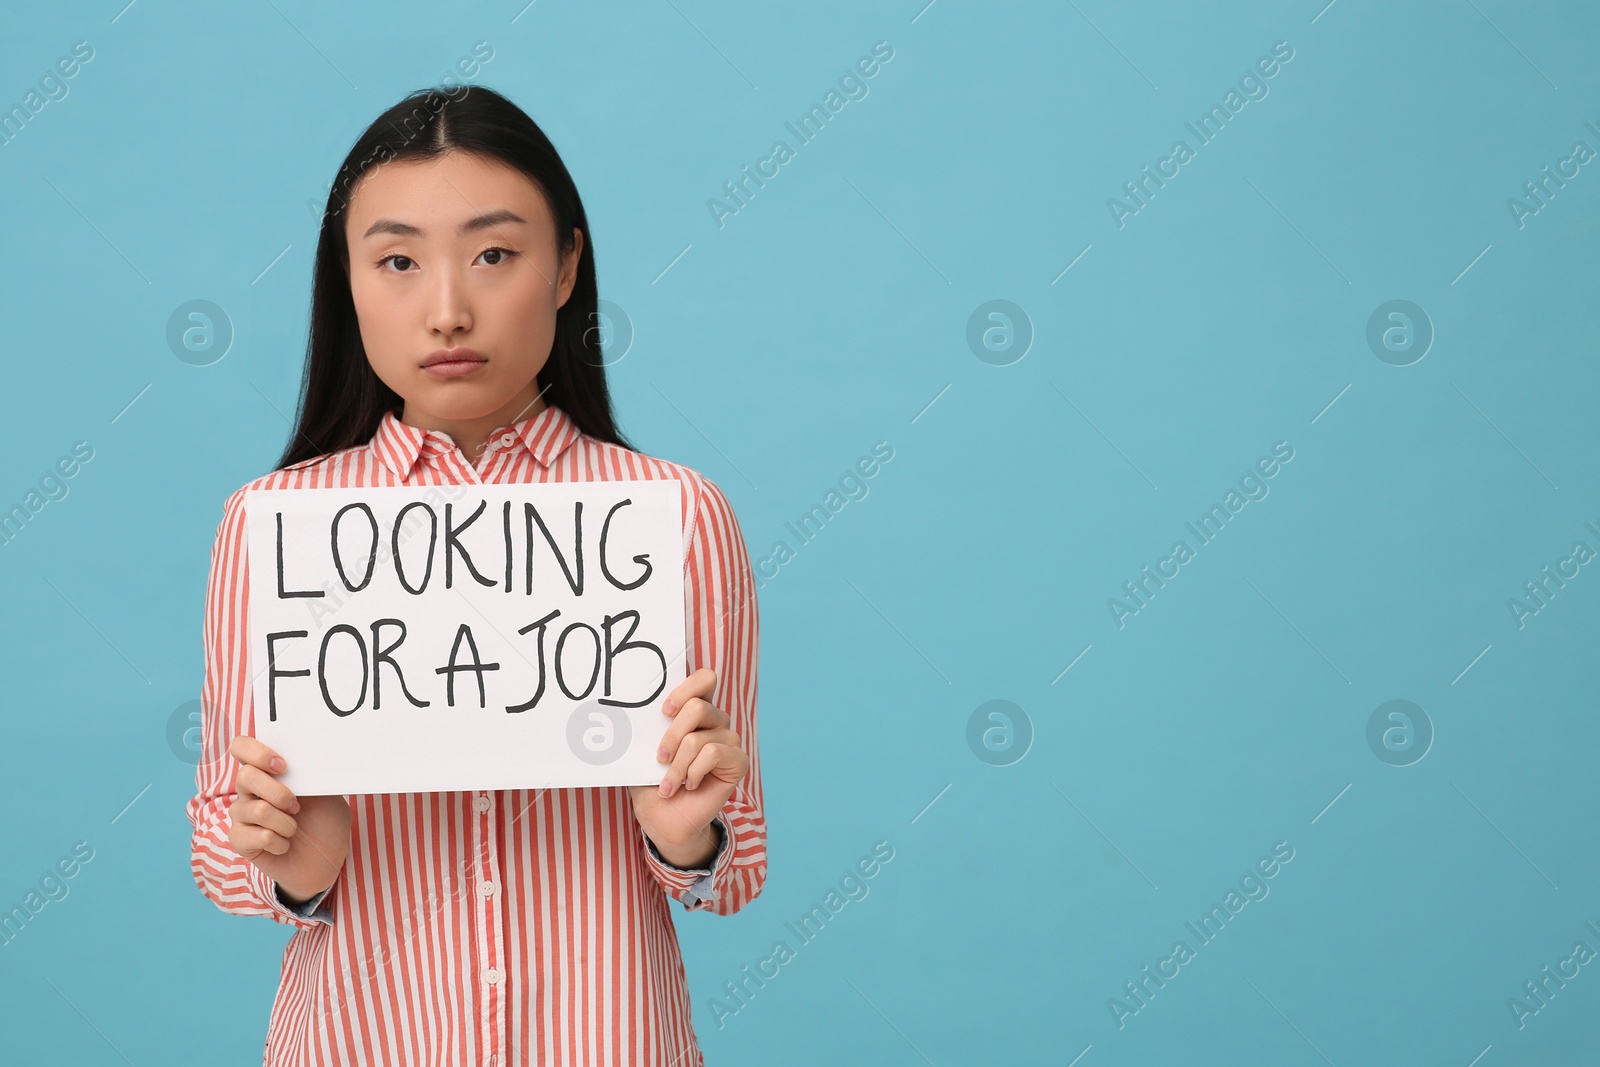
299	842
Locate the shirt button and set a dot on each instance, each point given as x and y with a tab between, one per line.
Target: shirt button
491	976
506	439
487	889
482	803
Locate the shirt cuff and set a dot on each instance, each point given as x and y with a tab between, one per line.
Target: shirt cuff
698	890
318	911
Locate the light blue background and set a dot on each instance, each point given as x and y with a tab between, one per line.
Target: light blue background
1230	313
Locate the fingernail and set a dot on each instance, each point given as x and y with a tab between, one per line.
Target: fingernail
666	787
277	763
661	755
296	809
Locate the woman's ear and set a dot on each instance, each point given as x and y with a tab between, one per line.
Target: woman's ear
569	268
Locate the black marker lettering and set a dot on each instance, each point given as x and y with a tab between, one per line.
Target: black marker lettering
322	669
372	555
505	522
381	655
531	515
561	679
282	595
273	673
643	557
477	666
613	651
452	545
539	692
433	537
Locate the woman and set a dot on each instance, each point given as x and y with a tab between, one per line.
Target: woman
452	341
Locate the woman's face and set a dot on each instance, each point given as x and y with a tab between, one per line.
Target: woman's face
457	253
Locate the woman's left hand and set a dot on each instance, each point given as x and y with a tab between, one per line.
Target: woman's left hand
706	760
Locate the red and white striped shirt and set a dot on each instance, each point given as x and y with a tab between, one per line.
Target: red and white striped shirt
489	928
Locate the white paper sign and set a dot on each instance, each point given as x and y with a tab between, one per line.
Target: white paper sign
461	637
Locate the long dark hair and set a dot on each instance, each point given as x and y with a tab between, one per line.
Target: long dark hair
342	400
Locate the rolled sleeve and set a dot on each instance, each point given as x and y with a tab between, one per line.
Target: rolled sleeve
695	888
722	631
227	710
318	908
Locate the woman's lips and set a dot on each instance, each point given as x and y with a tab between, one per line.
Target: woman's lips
455	368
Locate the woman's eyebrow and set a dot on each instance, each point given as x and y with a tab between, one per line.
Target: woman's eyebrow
479	222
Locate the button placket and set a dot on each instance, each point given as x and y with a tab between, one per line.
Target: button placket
491	946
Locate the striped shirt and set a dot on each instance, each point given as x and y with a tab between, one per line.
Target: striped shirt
489	928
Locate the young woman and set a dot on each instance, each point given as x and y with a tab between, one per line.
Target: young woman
452	341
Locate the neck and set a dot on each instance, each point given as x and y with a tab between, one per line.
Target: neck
471	436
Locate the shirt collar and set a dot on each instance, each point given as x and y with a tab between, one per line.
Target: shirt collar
399	445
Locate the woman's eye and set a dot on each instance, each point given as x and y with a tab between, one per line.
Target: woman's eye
404	262
505	254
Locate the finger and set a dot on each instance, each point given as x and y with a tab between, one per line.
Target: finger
687	750
258	839
713	758
690	749
254	782
697	714
257	812
702	683
248	750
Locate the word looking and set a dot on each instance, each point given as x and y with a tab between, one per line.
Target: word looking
1253	887
1140	191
